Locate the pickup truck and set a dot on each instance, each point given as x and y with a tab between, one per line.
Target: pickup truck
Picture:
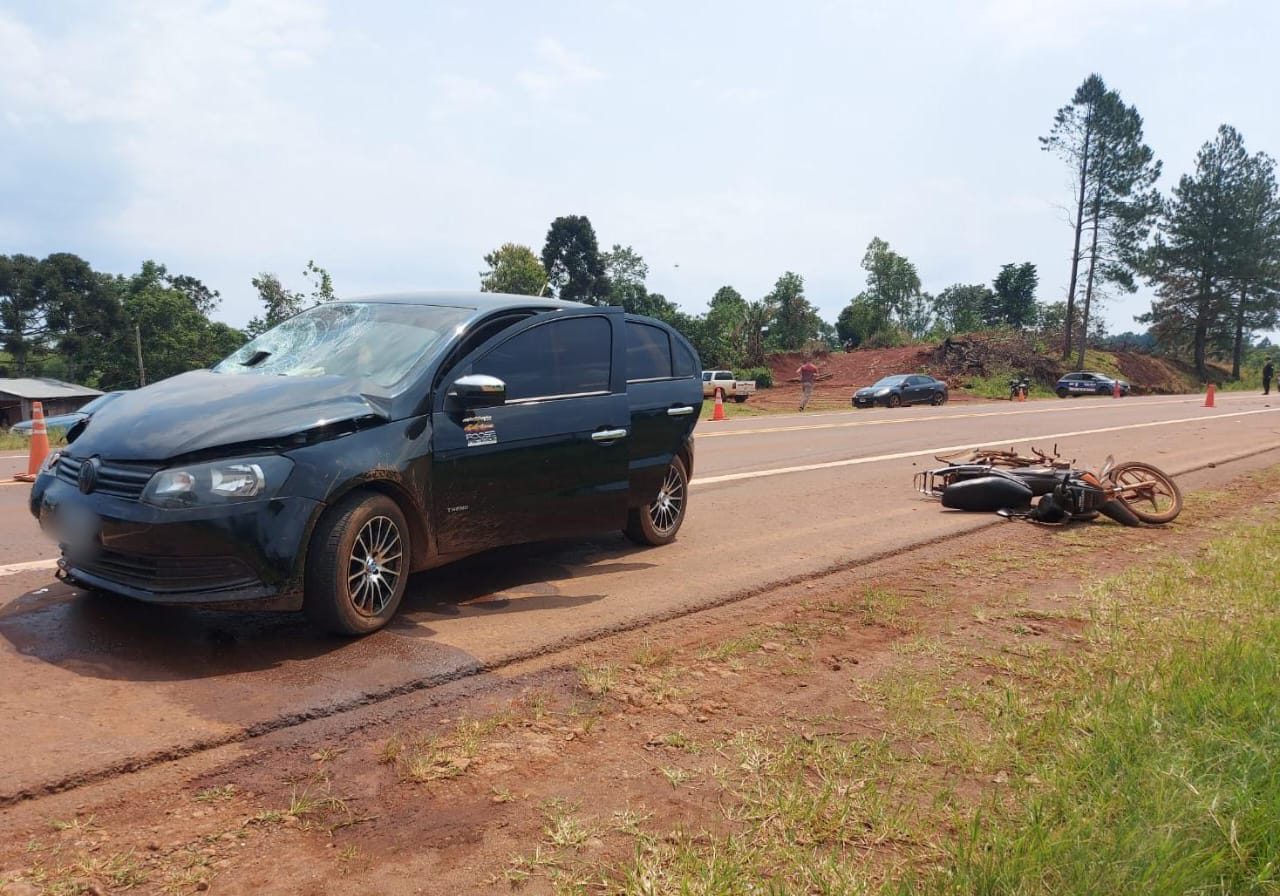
360	441
728	384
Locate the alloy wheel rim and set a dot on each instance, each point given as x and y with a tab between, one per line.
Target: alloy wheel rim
665	510
374	567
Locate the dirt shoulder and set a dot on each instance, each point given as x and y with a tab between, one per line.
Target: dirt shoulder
597	769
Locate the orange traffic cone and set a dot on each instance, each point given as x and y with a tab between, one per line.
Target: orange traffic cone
1208	397
1022	393
39	444
1115	389
718	413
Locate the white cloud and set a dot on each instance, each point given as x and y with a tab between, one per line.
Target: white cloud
557	70
1027	26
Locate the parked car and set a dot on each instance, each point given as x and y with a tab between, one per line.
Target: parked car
904	388
364	440
66	421
1083	383
728	384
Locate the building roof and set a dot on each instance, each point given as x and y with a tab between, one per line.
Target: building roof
40	388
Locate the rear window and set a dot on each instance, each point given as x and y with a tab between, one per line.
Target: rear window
648	353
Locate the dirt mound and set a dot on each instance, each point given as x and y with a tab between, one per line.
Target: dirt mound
959	360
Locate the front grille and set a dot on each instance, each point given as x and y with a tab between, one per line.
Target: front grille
167	575
123	480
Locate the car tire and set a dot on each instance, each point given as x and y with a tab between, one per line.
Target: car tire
893	401
938	398
657	522
1063	392
344	594
739	398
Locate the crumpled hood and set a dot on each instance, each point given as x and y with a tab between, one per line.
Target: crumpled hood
201	410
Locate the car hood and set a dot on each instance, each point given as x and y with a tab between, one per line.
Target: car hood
202	410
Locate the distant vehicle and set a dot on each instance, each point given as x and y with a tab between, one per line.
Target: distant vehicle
1083	383
903	388
731	386
66	421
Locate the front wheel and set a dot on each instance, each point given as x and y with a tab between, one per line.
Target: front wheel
1149	492
893	401
1063	392
657	523
357	565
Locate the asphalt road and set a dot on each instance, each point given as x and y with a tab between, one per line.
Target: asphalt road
93	683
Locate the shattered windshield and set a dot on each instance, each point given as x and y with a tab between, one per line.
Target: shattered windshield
379	343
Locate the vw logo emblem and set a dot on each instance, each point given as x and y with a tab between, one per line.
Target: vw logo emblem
88	479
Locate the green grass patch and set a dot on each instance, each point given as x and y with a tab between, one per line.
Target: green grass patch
996	385
13	442
1142	756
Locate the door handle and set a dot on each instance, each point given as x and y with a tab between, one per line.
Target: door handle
608	435
680	411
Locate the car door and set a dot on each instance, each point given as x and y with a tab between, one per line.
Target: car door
664	399
551	460
916	389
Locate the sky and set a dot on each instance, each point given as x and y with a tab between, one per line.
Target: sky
396	143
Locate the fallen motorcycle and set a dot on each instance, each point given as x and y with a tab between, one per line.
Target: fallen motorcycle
1043	488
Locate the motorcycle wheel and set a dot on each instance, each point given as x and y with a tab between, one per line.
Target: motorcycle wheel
1157	499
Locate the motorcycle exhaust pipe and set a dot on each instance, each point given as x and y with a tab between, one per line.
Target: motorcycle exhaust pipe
1120	512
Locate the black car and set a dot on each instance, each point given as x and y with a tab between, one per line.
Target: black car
904	388
364	440
1086	383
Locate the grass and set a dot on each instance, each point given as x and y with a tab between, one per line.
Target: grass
1146	758
733	409
12	442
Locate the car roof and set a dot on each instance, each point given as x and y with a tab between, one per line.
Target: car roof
478	301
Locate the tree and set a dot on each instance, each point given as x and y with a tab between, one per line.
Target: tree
281	303
513	269
726	340
23	328
572	261
892	280
1015	296
962	308
1113	175
795	320
1211	246
1255	257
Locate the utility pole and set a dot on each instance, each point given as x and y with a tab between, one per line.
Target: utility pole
137	338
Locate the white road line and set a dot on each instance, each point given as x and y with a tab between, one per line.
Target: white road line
13	569
803	427
854	461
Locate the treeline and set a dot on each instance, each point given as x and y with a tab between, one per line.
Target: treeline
736	332
60	318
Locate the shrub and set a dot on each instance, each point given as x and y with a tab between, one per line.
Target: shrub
762	375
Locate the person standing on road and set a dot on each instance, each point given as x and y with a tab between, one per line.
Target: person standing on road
1267	373
808	372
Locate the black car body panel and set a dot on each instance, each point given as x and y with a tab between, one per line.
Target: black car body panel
904	388
571	450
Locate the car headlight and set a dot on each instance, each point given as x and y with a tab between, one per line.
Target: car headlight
219	482
50	461
881	392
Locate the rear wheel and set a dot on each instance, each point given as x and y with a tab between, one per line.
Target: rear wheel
938	398
1148	491
357	565
739	398
657	523
893	401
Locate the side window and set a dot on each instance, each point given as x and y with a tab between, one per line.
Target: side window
648	353
682	359
563	357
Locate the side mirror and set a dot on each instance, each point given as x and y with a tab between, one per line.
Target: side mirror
477	390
